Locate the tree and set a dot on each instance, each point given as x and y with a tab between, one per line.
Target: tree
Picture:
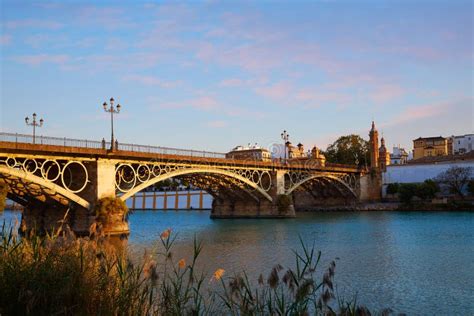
392	188
470	187
350	149
406	192
427	190
455	179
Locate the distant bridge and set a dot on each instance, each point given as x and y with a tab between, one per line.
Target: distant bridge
59	173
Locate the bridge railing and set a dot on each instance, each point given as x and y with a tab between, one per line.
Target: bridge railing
93	144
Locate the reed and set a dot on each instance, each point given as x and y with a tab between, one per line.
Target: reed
59	274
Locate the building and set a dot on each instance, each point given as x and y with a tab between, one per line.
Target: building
296	152
430	146
399	156
374	147
249	153
384	156
462	144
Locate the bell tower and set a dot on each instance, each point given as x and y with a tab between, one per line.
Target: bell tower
374	147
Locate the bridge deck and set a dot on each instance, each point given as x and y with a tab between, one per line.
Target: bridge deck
72	151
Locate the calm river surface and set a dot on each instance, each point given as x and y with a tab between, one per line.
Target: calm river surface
413	262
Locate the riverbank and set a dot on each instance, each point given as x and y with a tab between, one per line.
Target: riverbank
392	206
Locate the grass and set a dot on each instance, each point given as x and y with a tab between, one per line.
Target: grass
60	274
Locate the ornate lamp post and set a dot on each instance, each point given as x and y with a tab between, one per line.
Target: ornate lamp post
285	136
112	110
34	124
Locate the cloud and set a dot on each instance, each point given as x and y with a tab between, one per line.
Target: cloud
36	60
217	124
429	111
277	91
33	24
386	92
5	39
151	81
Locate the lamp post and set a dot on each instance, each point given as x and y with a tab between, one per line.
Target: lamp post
285	136
111	109
34	124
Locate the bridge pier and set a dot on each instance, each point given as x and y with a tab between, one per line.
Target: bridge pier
280	206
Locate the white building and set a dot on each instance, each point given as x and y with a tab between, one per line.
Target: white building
419	172
399	156
462	144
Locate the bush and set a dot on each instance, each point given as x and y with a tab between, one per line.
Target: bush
470	187
3	196
109	206
406	192
392	188
427	190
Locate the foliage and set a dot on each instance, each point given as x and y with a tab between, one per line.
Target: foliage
350	149
3	196
284	202
455	179
406	192
470	187
427	190
392	188
59	274
107	206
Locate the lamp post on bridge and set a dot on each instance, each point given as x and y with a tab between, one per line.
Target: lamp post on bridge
111	110
285	136
34	124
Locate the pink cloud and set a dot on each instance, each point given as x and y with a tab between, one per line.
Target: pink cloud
151	81
5	39
205	103
33	24
35	60
232	82
276	91
386	92
217	124
421	112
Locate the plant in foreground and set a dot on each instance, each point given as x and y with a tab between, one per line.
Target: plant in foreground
62	274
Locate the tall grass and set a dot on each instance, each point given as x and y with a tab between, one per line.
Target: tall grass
60	274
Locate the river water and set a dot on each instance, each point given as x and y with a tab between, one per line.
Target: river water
419	263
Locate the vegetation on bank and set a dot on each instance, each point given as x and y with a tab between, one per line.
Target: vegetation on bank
61	274
106	207
3	196
455	180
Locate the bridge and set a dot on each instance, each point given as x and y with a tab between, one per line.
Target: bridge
53	175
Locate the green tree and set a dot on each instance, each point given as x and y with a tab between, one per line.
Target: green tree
427	190
406	192
392	188
350	149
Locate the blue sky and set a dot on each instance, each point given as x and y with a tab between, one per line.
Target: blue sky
215	74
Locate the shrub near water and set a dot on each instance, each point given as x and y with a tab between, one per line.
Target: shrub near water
3	196
60	274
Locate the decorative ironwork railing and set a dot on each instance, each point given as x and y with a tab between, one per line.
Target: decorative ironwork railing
93	144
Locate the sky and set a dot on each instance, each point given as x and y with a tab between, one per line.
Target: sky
211	75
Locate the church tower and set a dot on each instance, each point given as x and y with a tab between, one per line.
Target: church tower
384	156
374	147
